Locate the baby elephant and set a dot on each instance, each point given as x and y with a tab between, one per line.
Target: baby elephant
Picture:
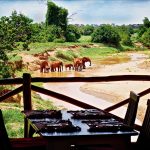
70	66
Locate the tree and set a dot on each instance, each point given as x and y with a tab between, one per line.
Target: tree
125	33
146	38
141	31
14	29
7	40
106	34
21	26
143	28
5	70
56	16
88	29
146	22
72	33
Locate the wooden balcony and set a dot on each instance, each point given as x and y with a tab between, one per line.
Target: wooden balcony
26	86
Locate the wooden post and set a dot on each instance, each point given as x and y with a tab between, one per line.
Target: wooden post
26	99
27	92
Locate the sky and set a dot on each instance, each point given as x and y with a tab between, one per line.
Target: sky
83	11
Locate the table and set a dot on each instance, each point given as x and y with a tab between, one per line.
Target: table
118	139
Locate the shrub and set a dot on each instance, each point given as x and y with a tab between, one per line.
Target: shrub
61	40
106	34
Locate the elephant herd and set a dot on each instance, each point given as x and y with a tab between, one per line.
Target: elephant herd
77	65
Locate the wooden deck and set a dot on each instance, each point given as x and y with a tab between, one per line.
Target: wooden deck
25	86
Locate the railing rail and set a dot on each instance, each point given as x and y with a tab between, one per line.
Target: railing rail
27	86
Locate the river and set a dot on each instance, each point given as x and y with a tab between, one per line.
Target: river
73	90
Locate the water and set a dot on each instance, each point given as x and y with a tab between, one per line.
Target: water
73	90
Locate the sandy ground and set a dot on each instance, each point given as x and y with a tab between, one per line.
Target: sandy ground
117	91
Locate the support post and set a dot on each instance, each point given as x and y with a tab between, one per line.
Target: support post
26	99
27	92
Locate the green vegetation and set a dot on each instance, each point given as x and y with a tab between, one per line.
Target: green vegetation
85	39
66	55
18	34
106	34
13	118
98	52
14	122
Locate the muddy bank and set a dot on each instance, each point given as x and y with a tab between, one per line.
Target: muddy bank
117	91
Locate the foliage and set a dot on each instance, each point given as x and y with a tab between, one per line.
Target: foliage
3	56
42	33
5	71
126	40
21	26
14	29
72	33
14	57
87	29
106	34
98	52
61	40
141	31
146	38
14	119
85	39
55	31
7	40
38	33
125	34
14	122
146	22
66	55
56	16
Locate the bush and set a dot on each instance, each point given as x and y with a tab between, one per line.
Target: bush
126	40
72	33
66	55
71	37
106	34
62	40
146	38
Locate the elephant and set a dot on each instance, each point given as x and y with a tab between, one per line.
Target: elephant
78	64
44	67
56	65
69	66
84	60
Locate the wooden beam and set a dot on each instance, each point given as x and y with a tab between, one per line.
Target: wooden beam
94	79
11	93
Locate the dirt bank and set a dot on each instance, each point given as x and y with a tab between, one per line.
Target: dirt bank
117	91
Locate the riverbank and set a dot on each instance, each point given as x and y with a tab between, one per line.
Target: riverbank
117	91
105	94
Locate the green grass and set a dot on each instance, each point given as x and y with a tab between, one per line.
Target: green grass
13	118
14	122
85	39
98	52
66	55
36	48
14	57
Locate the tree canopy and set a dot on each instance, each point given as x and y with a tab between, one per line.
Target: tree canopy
106	34
56	16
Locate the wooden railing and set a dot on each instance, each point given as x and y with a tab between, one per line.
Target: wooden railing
26	87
